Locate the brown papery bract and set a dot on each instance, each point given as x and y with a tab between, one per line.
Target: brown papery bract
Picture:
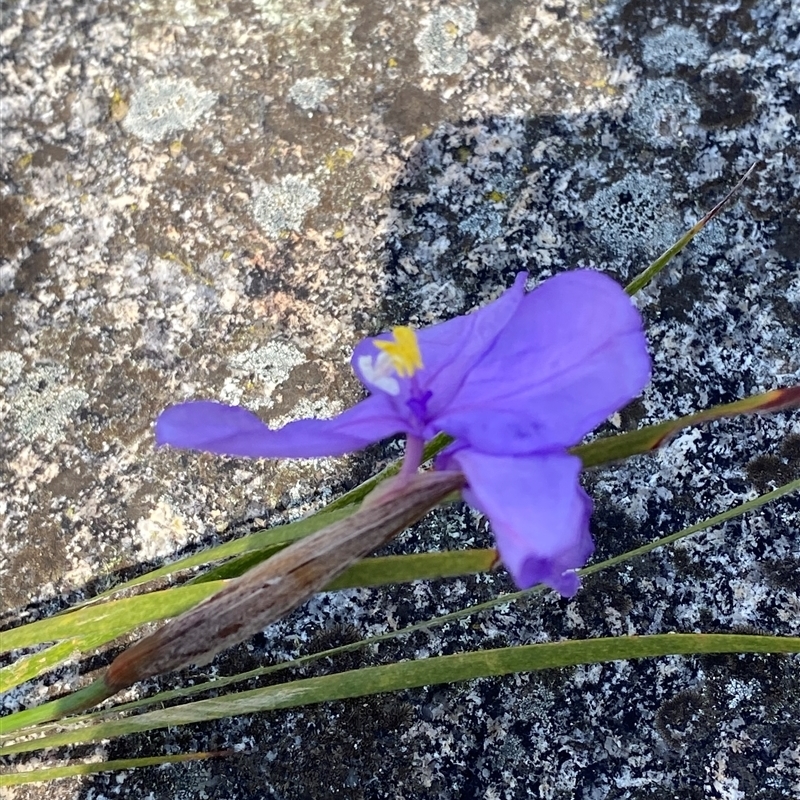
281	583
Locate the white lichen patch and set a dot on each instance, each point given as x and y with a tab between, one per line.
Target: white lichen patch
295	13
309	93
441	41
282	206
161	532
664	113
267	367
437	300
633	213
188	12
11	365
740	691
165	106
7	271
44	403
330	24
674	46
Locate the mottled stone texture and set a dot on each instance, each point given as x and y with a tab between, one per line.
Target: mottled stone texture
218	199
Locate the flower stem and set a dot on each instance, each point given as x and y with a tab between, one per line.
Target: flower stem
413	456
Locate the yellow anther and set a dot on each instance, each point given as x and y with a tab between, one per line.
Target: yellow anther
403	351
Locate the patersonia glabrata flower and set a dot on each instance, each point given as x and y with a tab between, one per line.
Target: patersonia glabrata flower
515	384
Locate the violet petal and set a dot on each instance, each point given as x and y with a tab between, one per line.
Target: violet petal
573	354
538	511
451	349
235	431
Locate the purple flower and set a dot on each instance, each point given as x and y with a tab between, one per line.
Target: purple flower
515	384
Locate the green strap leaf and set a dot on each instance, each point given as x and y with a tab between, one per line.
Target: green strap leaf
409	674
74	770
96	692
385	570
645	440
643	278
266	540
28	667
97	625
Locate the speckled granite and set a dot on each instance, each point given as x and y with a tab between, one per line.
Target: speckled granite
218	199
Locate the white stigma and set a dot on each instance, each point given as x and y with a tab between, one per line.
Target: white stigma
380	372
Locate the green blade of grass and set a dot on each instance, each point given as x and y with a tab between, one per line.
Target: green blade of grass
55	709
59	708
271	538
434	446
410	674
74	770
644	440
100	624
385	570
643	278
29	667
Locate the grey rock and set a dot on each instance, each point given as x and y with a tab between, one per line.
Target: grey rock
141	263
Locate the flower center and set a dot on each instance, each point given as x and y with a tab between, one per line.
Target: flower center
403	351
399	357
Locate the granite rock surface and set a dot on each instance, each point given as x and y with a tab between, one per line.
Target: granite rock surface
219	199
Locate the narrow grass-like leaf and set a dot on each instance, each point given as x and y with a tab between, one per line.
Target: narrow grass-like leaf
410	674
264	540
641	280
645	440
120	616
237	566
710	522
86	768
28	667
59	708
98	625
385	570
105	624
101	624
56	709
601	451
